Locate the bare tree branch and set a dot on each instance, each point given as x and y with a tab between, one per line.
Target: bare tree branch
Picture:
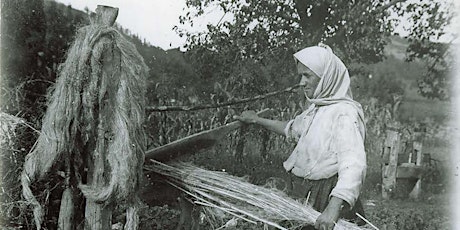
210	106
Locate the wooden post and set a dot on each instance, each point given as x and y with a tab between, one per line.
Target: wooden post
105	15
66	213
410	157
415	193
390	157
194	143
67	209
99	216
418	152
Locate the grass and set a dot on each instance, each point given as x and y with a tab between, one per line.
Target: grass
430	213
236	196
424	109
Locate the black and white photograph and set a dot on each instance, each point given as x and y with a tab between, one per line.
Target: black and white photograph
229	114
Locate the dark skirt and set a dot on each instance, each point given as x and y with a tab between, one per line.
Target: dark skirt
320	190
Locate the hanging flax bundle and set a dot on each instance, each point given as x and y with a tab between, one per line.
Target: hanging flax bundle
97	103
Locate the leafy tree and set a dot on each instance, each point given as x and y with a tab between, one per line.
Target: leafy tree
429	21
259	40
435	82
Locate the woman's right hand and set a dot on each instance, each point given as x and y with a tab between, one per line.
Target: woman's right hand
248	117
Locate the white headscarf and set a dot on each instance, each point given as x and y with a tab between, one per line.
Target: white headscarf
334	85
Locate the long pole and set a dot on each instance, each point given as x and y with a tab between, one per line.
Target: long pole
99	216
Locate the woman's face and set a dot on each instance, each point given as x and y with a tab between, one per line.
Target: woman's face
308	81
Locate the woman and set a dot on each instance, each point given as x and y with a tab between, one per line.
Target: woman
329	156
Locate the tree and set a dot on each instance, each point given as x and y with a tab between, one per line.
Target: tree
268	32
429	22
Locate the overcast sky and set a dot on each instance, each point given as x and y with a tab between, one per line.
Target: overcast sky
150	19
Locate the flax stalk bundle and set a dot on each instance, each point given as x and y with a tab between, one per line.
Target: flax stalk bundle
8	125
95	102
239	198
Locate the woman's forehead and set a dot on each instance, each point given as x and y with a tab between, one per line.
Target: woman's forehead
299	64
301	68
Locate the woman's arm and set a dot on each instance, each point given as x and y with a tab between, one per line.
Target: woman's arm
330	215
351	158
250	117
349	146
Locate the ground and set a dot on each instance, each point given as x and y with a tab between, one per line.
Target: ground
431	212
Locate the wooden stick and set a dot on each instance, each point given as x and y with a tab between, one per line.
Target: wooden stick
105	15
368	222
219	105
193	143
99	216
67	212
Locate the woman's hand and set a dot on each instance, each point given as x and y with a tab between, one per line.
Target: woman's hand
329	217
251	117
248	117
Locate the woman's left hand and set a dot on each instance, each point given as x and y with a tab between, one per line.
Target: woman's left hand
248	117
329	217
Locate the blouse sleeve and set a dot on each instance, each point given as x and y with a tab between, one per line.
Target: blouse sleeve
288	130
348	143
293	129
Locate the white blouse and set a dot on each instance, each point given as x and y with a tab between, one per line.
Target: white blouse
332	145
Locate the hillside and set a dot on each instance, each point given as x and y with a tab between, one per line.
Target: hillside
413	104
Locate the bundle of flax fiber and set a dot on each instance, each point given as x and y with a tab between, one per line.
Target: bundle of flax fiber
239	198
95	111
8	124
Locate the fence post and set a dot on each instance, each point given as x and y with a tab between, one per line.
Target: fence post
67	208
415	193
99	216
390	162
